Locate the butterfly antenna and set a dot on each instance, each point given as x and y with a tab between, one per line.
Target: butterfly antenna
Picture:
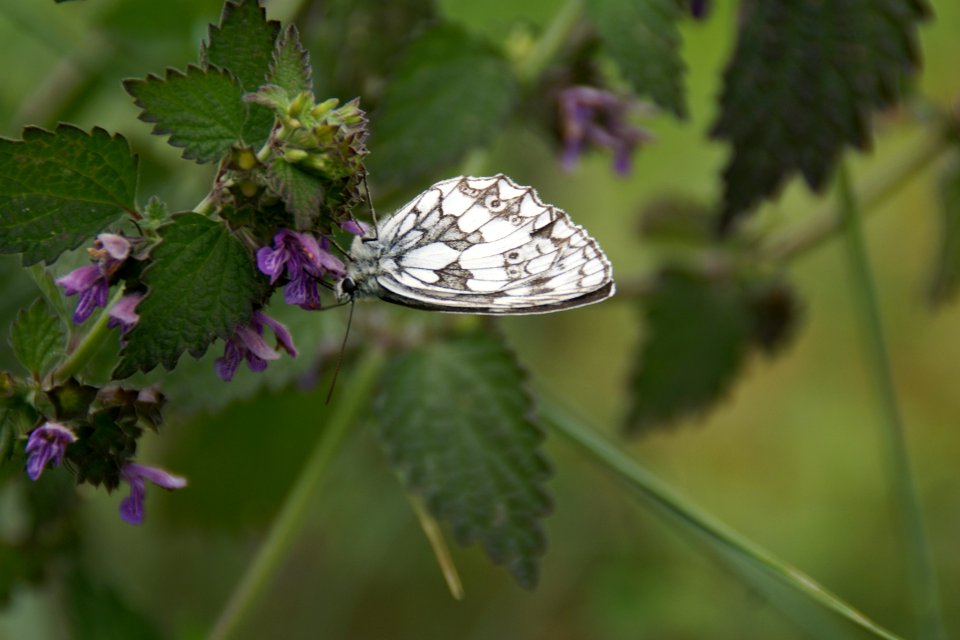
343	347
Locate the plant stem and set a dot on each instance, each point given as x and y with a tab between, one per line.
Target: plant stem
290	519
90	344
922	577
552	40
730	544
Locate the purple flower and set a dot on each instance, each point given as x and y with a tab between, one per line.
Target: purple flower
123	313
305	262
131	507
47	442
355	227
598	118
92	282
247	343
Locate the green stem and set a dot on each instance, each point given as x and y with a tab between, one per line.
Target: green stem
731	544
301	497
90	344
922	577
552	40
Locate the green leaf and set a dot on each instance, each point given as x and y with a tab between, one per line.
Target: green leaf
301	191
455	420
802	84
100	613
946	273
244	44
450	93
697	336
642	37
202	285
202	110
291	64
38	338
59	188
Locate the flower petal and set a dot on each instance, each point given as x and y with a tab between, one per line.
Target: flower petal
79	279
279	330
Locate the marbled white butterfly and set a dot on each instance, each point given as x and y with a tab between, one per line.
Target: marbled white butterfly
478	245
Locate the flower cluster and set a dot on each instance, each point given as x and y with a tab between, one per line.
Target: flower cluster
48	443
598	118
305	261
247	343
92	282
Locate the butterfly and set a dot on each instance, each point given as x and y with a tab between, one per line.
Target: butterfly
478	245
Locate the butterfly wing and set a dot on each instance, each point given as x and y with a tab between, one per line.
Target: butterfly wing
488	245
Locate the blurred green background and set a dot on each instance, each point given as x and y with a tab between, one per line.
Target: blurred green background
790	458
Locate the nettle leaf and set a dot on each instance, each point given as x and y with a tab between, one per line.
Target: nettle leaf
202	285
38	338
302	191
202	110
455	420
643	38
450	93
244	44
802	84
291	64
946	273
699	333
59	188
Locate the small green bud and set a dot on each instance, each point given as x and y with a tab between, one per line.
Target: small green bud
321	109
294	155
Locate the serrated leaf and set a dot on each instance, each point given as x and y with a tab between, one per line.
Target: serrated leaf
291	64
455	420
202	110
201	285
244	44
946	272
802	84
302	192
59	188
642	37
449	94
698	332
38	338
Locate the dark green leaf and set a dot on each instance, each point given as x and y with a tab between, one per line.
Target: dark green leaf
449	94
202	285
243	44
803	82
202	110
57	189
291	64
38	338
642	37
100	613
300	190
697	337
946	273
455	420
